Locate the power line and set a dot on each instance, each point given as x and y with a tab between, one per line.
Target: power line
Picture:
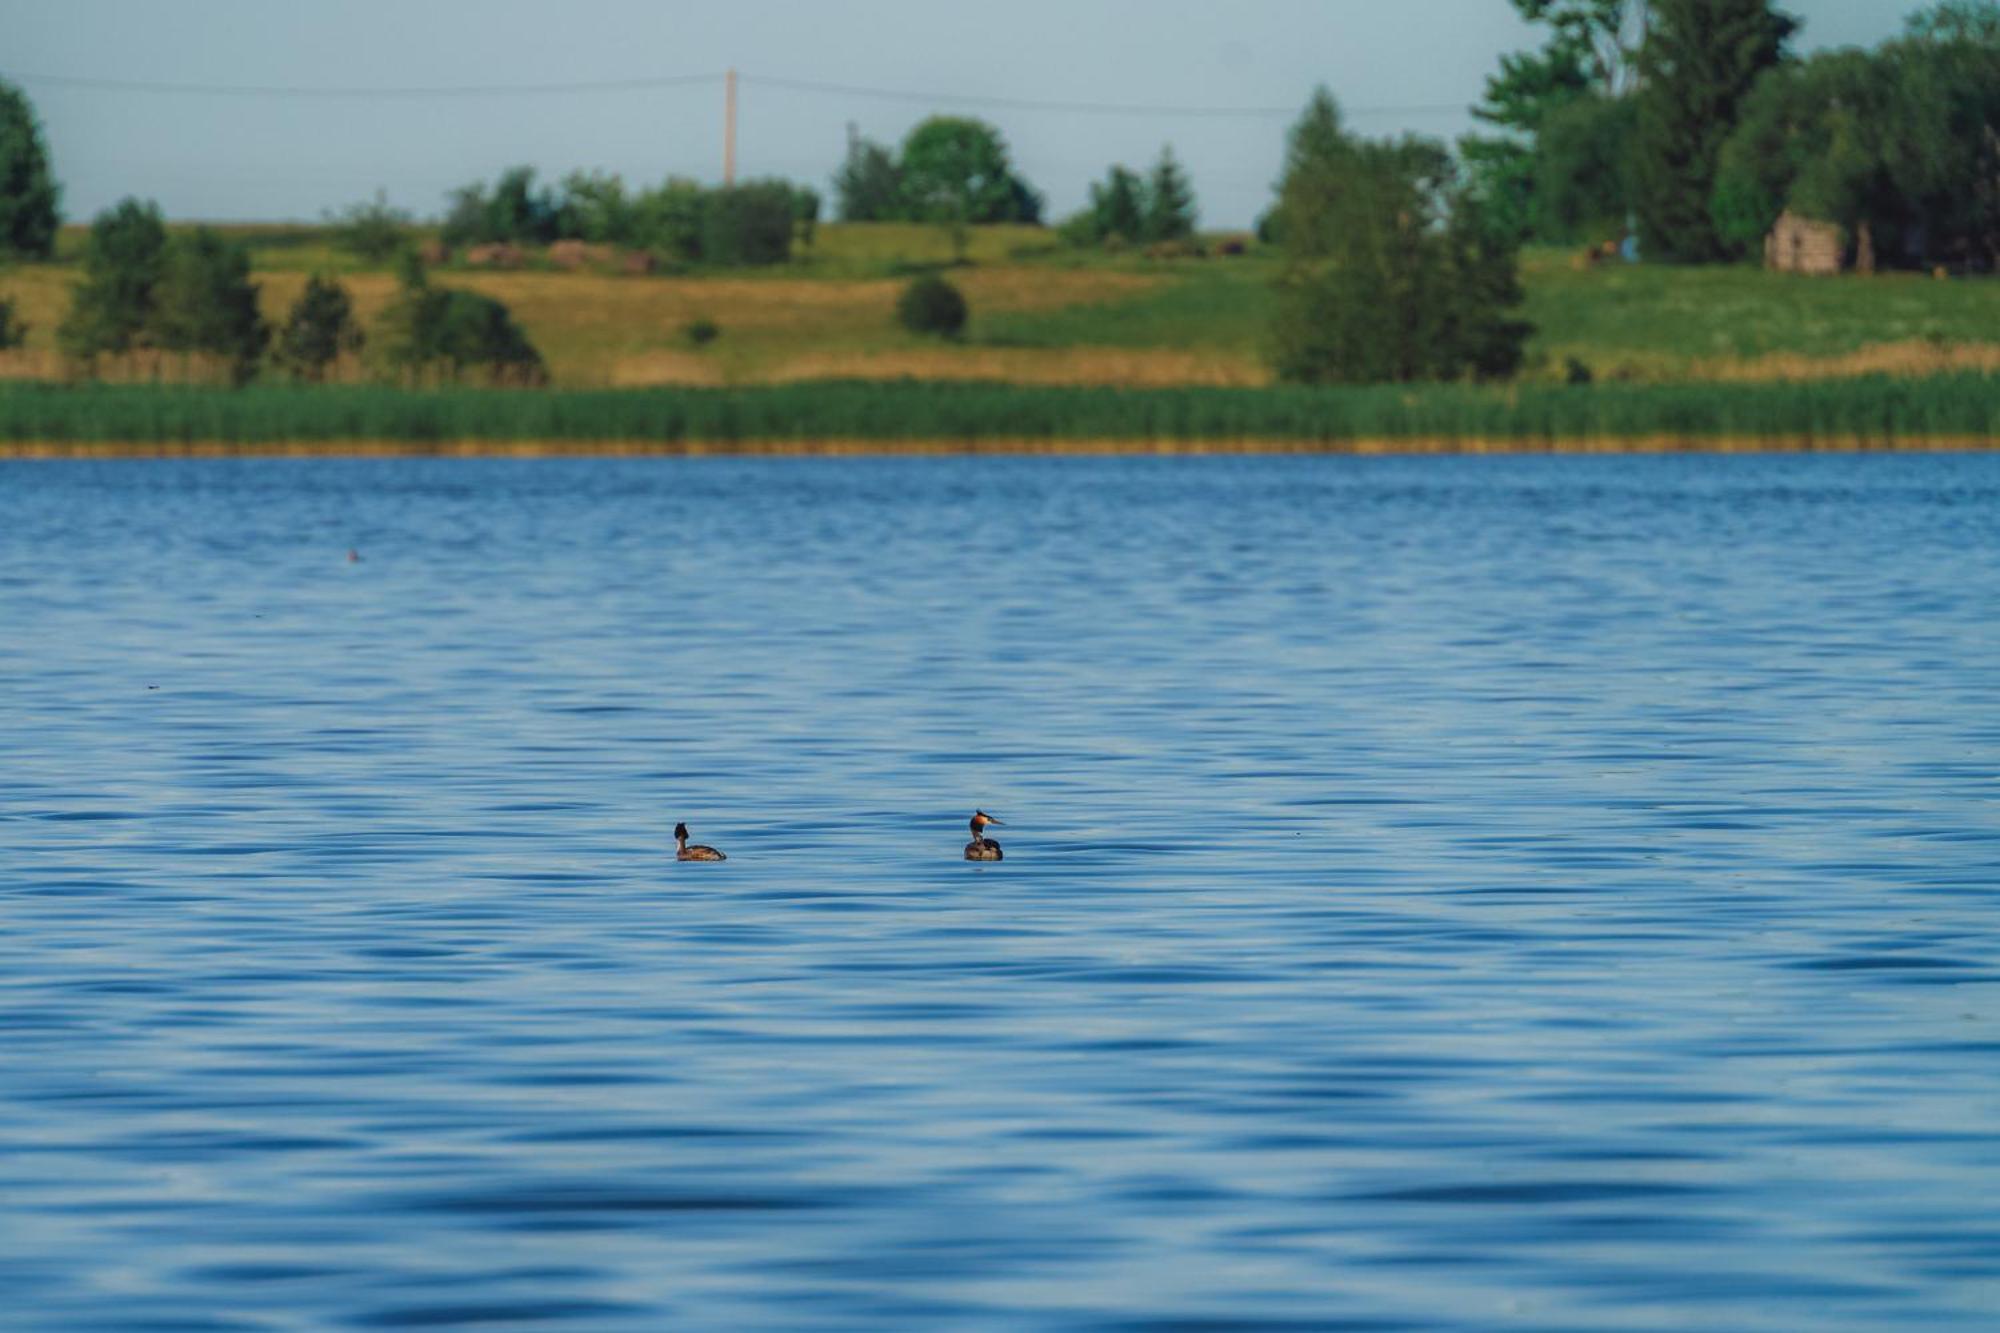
697	80
1078	108
272	90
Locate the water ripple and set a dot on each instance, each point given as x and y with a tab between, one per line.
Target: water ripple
1547	894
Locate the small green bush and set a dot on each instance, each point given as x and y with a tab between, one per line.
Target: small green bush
930	305
372	230
701	332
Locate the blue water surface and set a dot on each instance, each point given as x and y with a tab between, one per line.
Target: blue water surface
1440	894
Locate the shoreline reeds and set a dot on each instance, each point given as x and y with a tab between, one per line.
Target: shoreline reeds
1956	411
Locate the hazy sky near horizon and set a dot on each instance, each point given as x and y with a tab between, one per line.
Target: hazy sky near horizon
1395	64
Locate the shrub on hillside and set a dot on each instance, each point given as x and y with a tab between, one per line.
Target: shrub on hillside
447	333
930	305
371	230
748	224
513	210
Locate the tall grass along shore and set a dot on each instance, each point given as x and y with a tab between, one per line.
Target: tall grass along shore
1868	412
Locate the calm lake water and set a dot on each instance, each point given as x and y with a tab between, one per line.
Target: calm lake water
1440	894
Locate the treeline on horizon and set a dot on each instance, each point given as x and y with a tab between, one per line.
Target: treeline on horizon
1400	257
1691	122
1874	410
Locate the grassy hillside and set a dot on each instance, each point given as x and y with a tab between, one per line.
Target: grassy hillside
1049	316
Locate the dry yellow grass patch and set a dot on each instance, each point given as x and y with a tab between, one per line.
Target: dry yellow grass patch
1012	289
30	363
1912	359
40	293
1115	367
651	369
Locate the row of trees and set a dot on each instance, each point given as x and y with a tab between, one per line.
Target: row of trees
753	223
145	291
142	290
956	171
1691	119
1900	145
1129	208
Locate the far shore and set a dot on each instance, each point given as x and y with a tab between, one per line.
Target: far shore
27	450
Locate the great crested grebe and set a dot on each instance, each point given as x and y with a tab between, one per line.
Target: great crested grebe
982	848
693	851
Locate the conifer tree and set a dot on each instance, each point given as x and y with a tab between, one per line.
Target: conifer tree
28	190
1117	207
319	329
869	185
1169	201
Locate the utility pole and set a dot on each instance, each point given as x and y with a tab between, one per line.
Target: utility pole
729	130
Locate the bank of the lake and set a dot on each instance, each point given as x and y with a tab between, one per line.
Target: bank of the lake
1874	412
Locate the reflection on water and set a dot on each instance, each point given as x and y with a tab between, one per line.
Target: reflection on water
1531	893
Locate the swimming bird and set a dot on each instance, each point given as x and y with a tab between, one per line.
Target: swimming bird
982	848
693	851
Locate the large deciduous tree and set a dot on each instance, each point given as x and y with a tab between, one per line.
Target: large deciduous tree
28	190
1590	53
1699	63
955	169
1582	181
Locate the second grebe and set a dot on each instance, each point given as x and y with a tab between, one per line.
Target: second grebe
982	848
693	851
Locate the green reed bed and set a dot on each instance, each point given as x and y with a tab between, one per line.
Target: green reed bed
1963	407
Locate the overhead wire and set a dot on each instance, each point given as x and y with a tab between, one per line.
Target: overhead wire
1087	108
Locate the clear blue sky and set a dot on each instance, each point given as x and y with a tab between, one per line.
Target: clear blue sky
1397	64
